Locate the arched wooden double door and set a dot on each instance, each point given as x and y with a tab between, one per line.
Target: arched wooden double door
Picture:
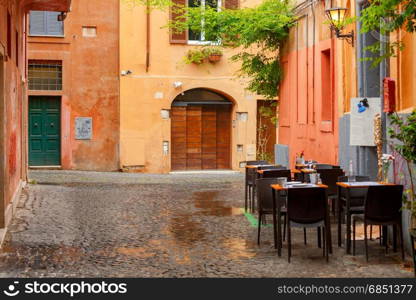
201	131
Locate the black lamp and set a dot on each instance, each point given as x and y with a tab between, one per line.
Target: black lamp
336	17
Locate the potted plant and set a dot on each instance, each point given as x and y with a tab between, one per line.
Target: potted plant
213	54
194	56
403	130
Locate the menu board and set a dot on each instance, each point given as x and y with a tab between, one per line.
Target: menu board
362	121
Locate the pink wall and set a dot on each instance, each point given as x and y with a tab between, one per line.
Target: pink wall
302	125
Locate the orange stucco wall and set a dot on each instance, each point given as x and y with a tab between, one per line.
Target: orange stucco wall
90	83
13	93
143	94
308	116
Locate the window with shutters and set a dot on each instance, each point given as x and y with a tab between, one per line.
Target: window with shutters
45	75
200	37
45	23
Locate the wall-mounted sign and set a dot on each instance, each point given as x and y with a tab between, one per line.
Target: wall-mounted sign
362	120
83	128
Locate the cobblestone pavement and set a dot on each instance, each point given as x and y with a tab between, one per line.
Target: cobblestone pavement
90	224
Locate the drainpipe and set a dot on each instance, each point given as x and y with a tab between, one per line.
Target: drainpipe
313	61
147	35
384	72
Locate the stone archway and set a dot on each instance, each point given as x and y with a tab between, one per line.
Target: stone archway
201	131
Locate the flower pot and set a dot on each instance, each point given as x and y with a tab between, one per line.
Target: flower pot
214	57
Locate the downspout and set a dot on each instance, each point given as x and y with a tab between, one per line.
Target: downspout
147	35
384	72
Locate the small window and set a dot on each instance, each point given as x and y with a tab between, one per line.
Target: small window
199	37
89	31
45	23
45	75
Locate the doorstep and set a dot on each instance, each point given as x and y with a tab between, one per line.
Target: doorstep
45	167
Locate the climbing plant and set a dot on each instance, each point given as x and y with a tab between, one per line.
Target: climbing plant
256	33
267	117
403	131
387	16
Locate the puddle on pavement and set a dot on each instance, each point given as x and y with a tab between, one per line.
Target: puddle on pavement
186	231
239	248
210	206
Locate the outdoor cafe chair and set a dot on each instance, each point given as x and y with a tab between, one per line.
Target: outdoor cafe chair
277	173
323	166
265	202
357	196
382	206
308	207
250	179
254	176
330	177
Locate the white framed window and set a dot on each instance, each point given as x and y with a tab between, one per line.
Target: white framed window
199	37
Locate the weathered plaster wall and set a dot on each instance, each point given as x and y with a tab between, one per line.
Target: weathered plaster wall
90	83
144	94
13	162
307	122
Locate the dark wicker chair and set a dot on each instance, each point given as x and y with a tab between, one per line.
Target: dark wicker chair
308	207
250	178
277	173
382	206
323	166
265	202
330	177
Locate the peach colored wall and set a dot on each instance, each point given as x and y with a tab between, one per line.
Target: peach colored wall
90	83
301	124
403	70
142	130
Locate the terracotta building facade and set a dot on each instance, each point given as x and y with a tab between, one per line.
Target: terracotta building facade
73	95
176	116
13	93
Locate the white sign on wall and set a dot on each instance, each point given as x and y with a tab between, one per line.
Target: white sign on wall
362	121
83	128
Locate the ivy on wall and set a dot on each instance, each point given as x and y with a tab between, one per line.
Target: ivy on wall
387	16
257	33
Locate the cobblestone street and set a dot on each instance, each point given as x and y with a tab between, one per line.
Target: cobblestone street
92	224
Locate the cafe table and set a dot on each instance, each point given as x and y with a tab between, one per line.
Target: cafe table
348	186
277	225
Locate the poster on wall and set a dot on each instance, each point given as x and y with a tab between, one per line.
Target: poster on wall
83	128
363	111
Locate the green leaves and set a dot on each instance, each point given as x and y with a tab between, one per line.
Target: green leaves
386	16
404	132
257	32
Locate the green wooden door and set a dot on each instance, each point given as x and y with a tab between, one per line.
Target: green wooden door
44	131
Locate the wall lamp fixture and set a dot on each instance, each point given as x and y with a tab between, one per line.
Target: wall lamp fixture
336	17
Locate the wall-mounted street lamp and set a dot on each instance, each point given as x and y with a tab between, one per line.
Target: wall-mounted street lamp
336	17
